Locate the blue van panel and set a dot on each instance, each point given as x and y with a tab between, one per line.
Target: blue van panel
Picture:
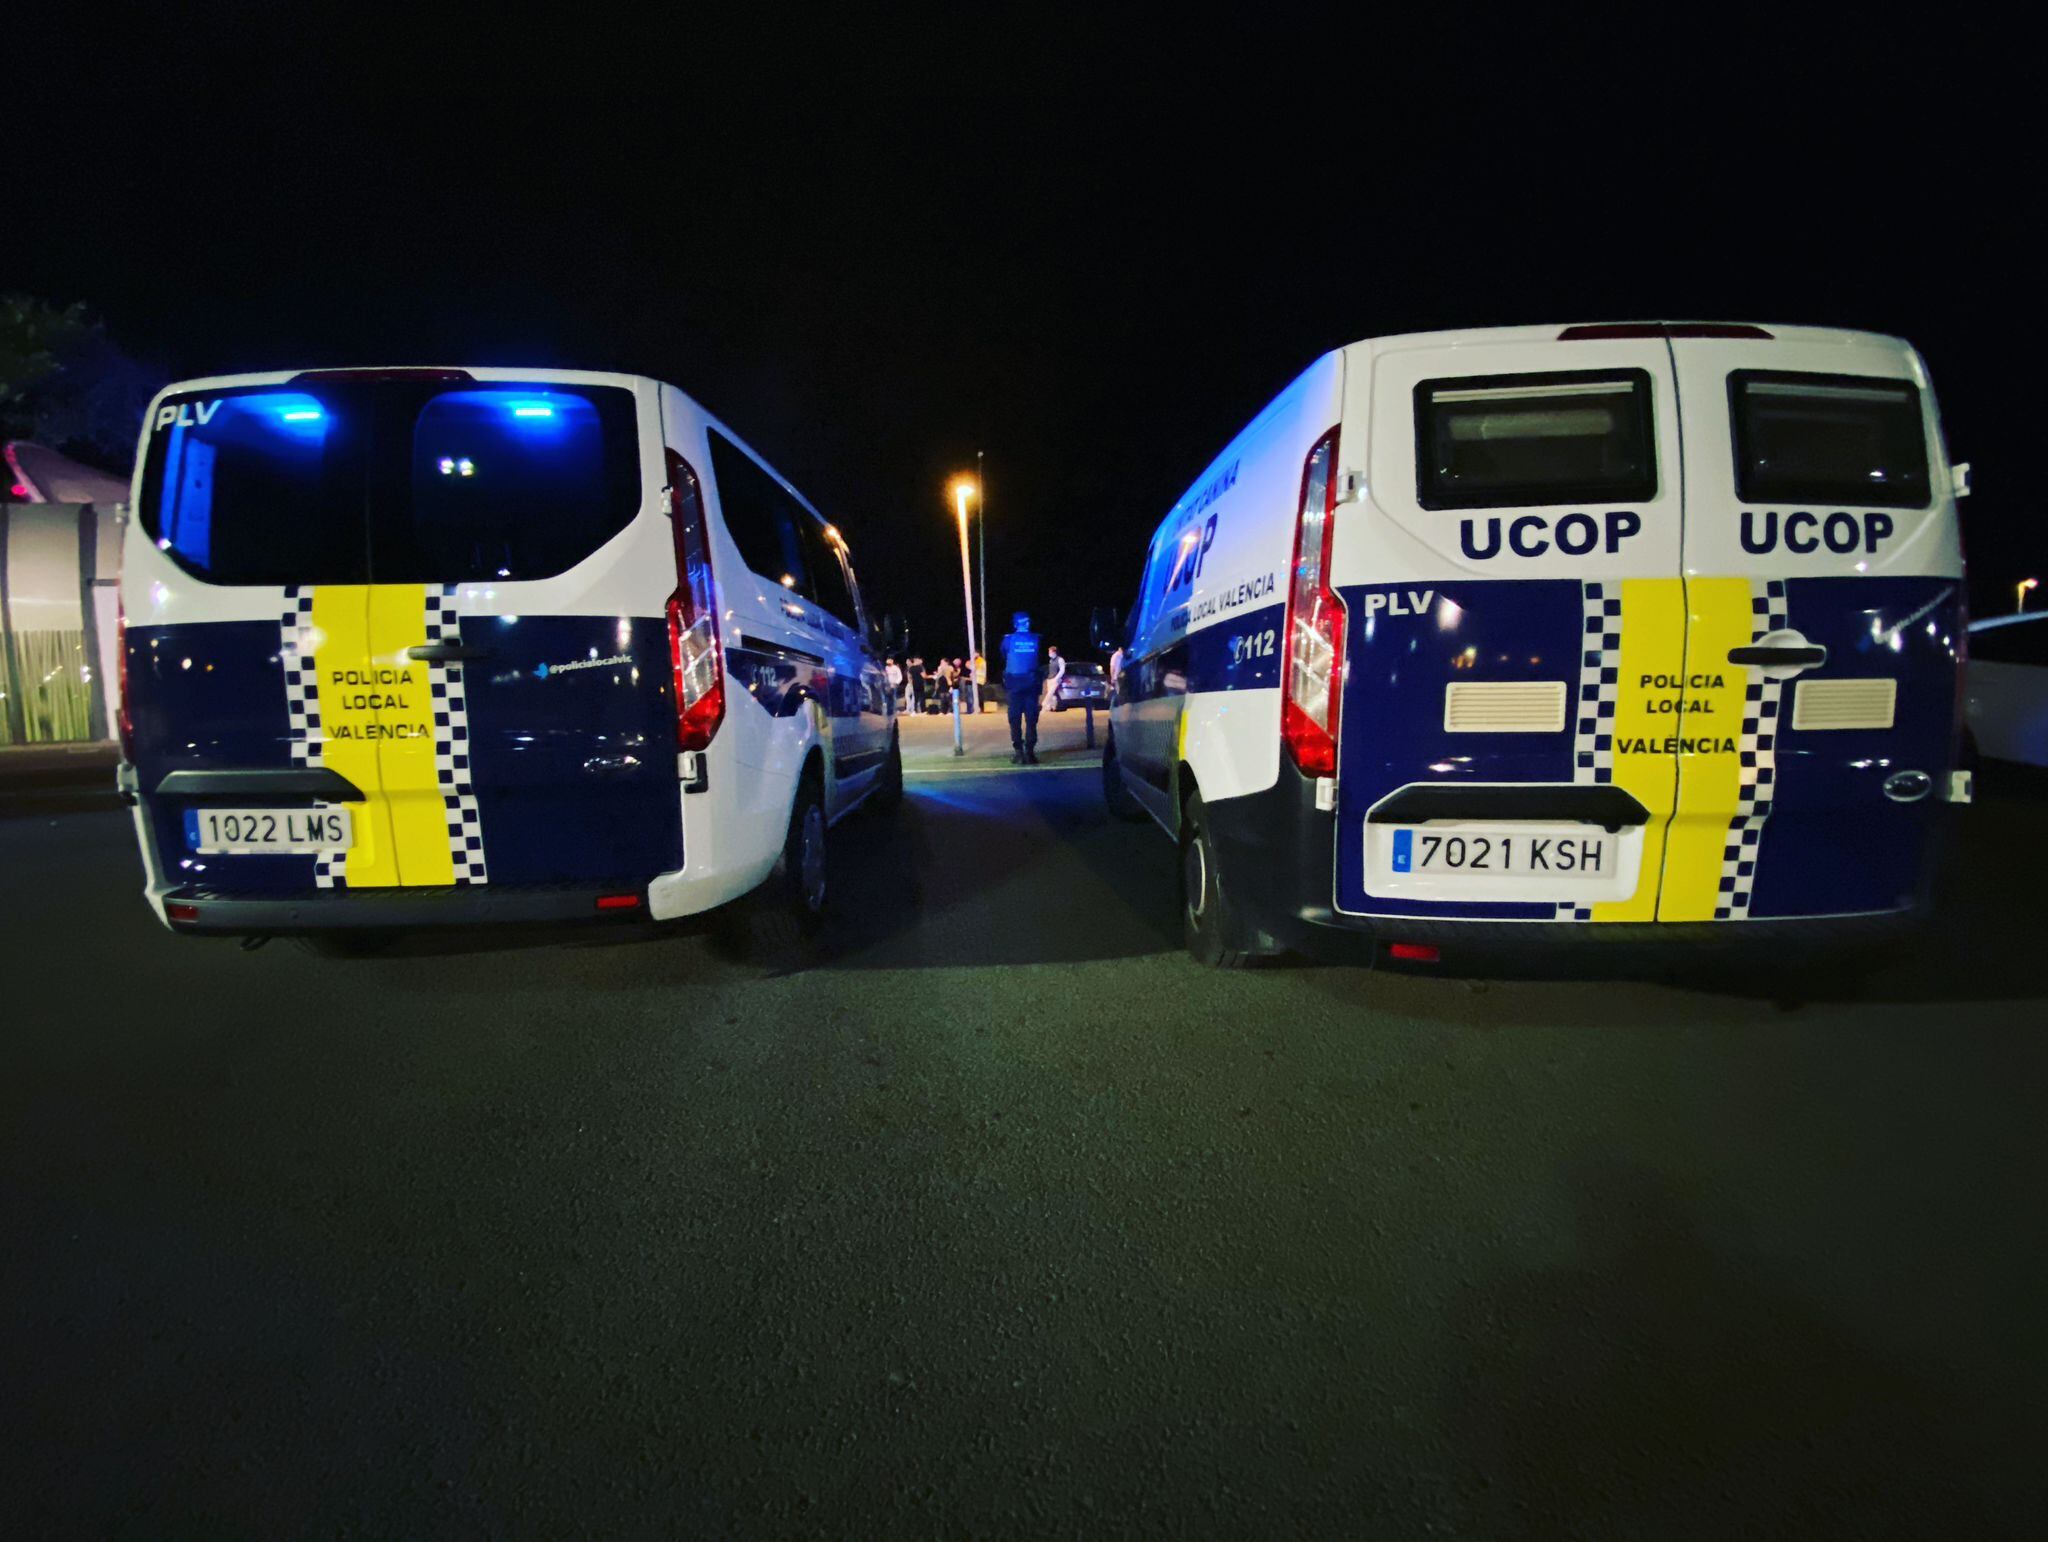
572	730
1392	729
207	696
1834	844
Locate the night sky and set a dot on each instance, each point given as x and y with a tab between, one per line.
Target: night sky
1093	257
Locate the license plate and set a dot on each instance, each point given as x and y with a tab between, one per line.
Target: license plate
1570	852
279	831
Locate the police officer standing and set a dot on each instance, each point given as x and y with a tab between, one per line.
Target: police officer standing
1023	656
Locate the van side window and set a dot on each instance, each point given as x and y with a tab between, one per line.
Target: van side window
828	573
765	522
1515	441
1842	440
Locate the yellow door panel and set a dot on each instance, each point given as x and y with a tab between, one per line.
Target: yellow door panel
348	743
1709	731
1652	649
403	699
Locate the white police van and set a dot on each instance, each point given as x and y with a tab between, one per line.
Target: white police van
413	647
1531	634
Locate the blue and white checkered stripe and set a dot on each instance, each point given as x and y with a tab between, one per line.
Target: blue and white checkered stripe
296	645
1757	754
1599	693
451	742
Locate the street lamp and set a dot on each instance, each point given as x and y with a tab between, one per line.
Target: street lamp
963	489
2024	585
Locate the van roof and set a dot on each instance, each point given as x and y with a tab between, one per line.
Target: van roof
1469	336
474	371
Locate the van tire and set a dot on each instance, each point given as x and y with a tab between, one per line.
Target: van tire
1209	925
1121	804
888	791
779	921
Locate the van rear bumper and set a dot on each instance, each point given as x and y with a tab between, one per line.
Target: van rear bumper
1276	854
334	910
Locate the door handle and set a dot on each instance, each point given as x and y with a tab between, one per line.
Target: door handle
1782	655
444	653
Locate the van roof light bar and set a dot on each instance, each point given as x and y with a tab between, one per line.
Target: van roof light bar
1614	331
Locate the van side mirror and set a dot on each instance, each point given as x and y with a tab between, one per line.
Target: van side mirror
892	634
1105	629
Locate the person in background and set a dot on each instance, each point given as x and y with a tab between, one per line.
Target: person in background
1023	656
942	682
980	666
1116	673
1055	667
917	684
894	671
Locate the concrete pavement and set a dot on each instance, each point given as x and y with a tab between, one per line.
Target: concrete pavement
1005	1220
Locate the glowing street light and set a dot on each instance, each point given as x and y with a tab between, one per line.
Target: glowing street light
964	488
2024	586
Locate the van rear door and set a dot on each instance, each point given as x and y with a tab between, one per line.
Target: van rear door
440	588
1824	624
522	564
1515	615
247	604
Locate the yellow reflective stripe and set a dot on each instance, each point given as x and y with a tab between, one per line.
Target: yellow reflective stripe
1709	772
341	656
405	717
1652	645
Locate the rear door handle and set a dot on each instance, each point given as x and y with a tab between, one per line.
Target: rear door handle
1783	655
444	653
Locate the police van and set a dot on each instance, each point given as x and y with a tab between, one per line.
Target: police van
414	647
1534	634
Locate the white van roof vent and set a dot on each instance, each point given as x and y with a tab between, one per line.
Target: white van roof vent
1504	707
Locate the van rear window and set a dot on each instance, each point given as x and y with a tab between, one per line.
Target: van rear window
1833	439
389	481
1511	441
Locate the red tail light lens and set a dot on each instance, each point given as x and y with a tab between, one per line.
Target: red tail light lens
124	716
1413	952
693	645
179	911
618	902
1312	671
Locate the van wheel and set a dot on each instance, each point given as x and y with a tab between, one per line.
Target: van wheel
889	788
779	921
1114	793
1208	923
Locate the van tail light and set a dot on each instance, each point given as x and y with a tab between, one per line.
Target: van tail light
693	645
124	714
1312	670
1414	952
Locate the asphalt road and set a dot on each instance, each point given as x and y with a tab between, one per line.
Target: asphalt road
1005	1220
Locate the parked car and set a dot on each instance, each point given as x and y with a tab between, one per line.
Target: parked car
1083	685
2006	686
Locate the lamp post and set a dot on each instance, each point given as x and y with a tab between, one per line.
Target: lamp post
963	489
2024	586
981	546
